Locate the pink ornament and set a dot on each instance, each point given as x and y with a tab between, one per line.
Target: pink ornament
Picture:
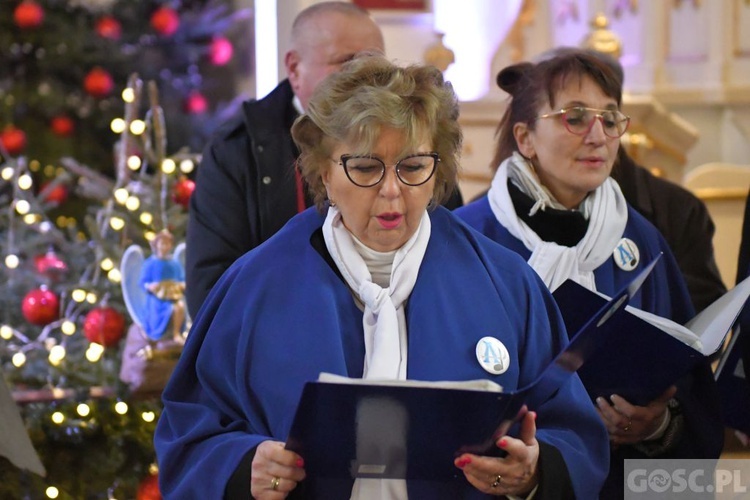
13	140
109	27
220	51
62	125
195	103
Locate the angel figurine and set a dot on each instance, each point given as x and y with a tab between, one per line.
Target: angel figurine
154	288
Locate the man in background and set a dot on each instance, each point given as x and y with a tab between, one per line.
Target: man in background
247	186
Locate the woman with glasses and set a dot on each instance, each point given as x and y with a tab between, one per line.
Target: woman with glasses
378	282
553	202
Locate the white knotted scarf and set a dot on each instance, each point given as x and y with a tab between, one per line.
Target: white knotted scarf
383	321
607	213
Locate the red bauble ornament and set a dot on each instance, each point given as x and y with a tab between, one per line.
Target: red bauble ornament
57	195
195	103
62	125
104	325
149	489
13	140
50	265
108	27
220	51
28	15
98	83
165	21
182	191
40	307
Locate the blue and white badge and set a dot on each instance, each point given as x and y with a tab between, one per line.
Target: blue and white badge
626	255
492	355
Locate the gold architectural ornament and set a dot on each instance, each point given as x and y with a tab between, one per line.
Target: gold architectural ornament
696	3
438	54
623	5
515	39
602	39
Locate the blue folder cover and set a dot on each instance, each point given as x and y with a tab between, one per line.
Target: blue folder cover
390	431
636	359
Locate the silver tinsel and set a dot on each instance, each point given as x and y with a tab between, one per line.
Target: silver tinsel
96	6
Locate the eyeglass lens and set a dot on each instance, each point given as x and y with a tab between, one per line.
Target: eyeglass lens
367	171
580	120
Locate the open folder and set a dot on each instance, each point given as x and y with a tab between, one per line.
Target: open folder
354	428
642	354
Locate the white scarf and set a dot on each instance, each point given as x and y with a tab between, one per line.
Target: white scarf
608	216
383	321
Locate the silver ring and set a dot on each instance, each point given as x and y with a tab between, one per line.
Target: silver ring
497	480
275	483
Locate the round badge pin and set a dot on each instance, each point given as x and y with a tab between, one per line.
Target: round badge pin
626	255
492	355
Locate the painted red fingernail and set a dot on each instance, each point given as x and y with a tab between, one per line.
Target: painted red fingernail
300	462
503	443
463	462
533	414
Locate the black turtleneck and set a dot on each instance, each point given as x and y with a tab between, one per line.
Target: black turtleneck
564	227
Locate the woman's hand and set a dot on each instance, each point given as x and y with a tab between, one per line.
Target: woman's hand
514	474
630	424
275	471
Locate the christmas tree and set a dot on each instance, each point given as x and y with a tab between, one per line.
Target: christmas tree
102	140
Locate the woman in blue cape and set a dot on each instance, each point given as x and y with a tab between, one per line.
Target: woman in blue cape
552	202
379	282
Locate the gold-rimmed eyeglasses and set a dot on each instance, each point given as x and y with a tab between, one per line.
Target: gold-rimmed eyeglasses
579	120
368	171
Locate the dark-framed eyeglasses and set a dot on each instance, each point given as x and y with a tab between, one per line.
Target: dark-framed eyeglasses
579	120
368	171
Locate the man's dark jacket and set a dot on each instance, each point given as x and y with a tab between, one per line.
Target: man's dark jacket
245	190
684	221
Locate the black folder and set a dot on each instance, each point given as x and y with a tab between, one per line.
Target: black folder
734	385
389	430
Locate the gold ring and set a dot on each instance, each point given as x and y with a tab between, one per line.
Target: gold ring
627	427
275	483
497	480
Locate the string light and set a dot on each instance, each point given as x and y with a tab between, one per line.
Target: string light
12	261
121	195
78	295
168	166
91	298
83	409
56	355
68	327
117	125
18	359
6	173
133	203
25	181
148	416
22	207
146	218
121	407
94	352
134	163
6	332
128	94
57	417
31	218
106	264
137	127
52	492
116	223
187	166
114	275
